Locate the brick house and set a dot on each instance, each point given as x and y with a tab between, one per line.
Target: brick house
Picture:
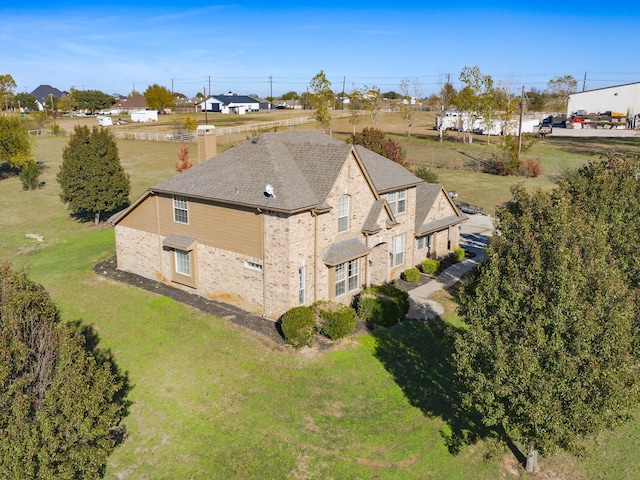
285	219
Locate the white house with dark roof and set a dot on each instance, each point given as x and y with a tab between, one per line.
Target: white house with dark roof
285	219
230	104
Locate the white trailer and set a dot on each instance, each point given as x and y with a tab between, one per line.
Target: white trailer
104	121
144	116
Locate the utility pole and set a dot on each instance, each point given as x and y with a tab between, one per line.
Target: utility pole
206	117
520	124
584	82
343	94
270	88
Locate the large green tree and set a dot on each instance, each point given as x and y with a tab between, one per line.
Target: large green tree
548	354
60	405
158	98
15	144
322	99
25	101
92	100
91	177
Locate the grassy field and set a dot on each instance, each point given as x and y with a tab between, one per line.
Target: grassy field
212	400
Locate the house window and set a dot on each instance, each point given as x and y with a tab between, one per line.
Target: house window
347	276
424	242
340	280
253	265
183	263
180	209
353	273
343	213
301	284
398	201
397	250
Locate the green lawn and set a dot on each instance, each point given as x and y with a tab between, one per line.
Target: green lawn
212	400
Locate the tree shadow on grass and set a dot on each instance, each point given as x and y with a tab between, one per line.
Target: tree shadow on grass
419	356
106	357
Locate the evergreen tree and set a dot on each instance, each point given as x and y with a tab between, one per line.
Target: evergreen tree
60	405
91	178
549	352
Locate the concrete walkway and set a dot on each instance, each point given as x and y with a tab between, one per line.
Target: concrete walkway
474	237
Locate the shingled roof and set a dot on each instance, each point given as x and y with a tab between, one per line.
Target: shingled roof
300	166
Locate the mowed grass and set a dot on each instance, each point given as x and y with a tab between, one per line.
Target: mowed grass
212	400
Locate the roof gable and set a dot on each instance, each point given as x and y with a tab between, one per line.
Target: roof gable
427	196
43	91
386	174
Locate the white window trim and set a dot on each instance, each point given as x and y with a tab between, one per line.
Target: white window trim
301	285
253	266
179	257
343	213
397	250
353	274
397	199
341	279
180	204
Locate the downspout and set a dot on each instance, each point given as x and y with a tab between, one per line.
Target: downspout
158	232
315	256
264	265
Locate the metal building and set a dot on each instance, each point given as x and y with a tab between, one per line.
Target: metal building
624	99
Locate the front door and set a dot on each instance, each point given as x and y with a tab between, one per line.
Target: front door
379	258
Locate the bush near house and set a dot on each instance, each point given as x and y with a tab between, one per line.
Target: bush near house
458	254
430	267
411	275
298	326
383	305
335	320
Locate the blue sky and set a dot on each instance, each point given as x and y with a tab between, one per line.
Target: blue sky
269	46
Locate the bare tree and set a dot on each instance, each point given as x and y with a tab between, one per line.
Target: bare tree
411	92
372	103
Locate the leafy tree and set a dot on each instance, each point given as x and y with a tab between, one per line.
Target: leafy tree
391	95
376	141
91	178
536	100
426	174
29	174
548	354
411	95
26	101
91	100
559	89
66	104
355	108
61	402
291	95
158	98
473	97
15	144
321	99
7	87
608	192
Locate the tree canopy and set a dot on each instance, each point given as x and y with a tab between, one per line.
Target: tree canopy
158	98
321	99
559	88
61	402
92	100
15	144
25	101
549	352
7	87
376	141
91	178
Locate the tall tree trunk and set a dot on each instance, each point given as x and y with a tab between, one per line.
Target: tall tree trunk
97	218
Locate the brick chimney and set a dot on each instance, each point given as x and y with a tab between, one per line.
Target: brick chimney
207	146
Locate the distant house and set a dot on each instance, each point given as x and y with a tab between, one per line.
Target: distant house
230	104
285	219
135	103
44	93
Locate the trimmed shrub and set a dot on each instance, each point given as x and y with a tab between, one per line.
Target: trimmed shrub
337	320
430	266
298	326
383	305
458	254
411	275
